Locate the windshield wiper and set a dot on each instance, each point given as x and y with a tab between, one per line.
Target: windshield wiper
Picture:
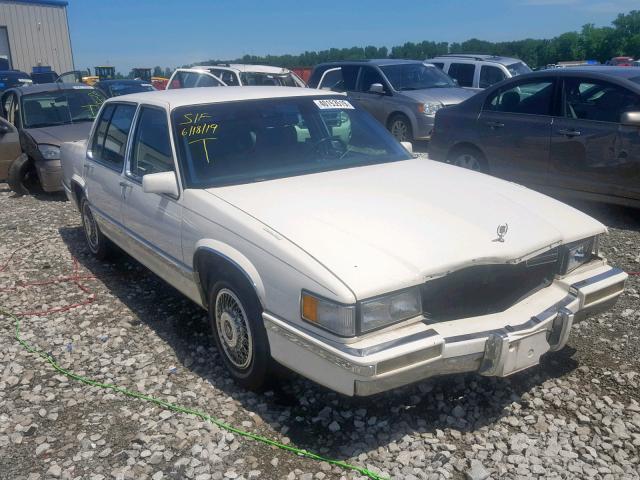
42	125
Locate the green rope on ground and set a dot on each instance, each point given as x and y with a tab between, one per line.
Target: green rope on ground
177	408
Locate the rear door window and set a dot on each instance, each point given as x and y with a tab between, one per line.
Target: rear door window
490	75
533	98
340	79
463	73
110	140
184	80
227	76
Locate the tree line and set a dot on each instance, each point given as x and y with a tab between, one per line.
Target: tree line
590	43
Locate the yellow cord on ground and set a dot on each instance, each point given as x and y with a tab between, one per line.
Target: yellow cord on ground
177	408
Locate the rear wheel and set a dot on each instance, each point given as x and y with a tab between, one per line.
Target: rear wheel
235	316
469	158
99	245
22	176
400	128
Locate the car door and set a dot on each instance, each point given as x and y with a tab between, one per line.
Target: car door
9	147
104	165
376	104
590	150
152	220
514	129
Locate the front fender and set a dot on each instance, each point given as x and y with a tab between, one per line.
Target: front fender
235	257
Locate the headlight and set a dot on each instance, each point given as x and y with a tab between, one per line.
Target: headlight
335	317
578	253
430	108
387	309
49	152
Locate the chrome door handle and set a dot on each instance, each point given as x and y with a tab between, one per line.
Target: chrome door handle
495	124
88	166
568	132
124	184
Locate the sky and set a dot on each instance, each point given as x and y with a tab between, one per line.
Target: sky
171	33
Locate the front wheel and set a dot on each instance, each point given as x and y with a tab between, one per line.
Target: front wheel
400	127
22	176
235	316
99	245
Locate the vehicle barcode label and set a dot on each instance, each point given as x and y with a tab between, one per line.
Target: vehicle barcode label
333	103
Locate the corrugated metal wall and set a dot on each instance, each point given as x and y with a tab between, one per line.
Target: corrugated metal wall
38	35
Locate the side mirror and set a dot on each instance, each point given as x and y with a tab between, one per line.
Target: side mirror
163	183
4	128
408	146
377	88
631	119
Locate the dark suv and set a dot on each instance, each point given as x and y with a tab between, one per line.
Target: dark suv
403	95
574	130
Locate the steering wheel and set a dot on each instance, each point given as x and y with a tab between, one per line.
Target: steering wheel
332	147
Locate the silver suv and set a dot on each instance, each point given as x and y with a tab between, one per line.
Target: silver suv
403	95
479	71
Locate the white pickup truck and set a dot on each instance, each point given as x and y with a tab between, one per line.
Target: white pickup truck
314	239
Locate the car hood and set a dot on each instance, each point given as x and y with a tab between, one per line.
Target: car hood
448	96
384	227
59	134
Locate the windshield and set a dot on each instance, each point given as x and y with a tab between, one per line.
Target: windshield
518	68
268	79
60	107
251	141
117	89
416	76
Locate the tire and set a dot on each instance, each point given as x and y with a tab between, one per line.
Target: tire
400	127
469	158
22	176
235	316
99	245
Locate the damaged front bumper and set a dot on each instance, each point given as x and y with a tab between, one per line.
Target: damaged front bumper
499	344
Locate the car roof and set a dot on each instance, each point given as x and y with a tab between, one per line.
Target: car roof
605	70
196	96
48	87
380	62
241	67
14	72
481	57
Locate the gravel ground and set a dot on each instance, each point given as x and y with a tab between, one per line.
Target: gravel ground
575	416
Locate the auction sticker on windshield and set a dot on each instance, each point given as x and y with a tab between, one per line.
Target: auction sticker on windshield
332	103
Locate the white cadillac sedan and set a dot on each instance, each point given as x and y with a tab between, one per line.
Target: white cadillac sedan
314	239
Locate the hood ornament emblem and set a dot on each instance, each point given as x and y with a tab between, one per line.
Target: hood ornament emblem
501	231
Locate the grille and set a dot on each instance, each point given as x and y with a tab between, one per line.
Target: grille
486	289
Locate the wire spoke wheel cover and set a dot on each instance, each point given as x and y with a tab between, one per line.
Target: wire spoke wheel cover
467	160
90	228
400	130
232	327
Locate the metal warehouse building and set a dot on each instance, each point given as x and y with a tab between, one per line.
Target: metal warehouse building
35	33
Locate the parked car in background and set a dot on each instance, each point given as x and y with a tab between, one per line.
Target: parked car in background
45	76
403	95
115	88
13	78
313	238
234	74
571	130
479	71
37	120
621	62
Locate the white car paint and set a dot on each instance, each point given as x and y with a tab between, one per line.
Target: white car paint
348	235
235	70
